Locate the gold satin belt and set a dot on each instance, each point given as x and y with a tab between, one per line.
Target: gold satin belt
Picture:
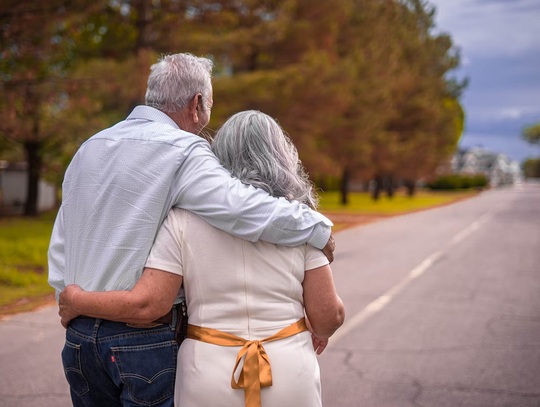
256	372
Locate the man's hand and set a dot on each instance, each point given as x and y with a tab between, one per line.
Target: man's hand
65	302
328	250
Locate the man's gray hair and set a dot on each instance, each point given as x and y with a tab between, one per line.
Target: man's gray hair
176	79
254	148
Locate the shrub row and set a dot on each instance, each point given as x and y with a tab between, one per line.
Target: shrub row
458	181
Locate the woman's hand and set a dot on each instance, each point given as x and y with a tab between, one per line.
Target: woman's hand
65	302
319	344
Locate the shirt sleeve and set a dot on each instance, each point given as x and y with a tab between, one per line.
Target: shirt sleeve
56	255
314	258
205	188
166	253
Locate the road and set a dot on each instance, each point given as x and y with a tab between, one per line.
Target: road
443	310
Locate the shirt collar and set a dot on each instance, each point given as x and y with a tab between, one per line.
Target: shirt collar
152	114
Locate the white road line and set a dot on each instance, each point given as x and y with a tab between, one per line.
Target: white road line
378	304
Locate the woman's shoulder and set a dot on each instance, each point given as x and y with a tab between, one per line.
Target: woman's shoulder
197	229
314	258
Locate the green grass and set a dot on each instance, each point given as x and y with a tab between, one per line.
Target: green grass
24	241
361	202
23	257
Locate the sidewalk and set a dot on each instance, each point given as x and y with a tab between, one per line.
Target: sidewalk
31	373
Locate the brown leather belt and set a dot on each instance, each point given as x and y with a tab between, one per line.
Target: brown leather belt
165	319
181	321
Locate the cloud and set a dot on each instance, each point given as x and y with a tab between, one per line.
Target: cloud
465	61
511	113
500	47
491	27
503	88
515	113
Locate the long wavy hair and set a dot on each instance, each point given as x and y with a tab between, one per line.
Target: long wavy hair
255	149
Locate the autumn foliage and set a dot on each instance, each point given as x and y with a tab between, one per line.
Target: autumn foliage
361	86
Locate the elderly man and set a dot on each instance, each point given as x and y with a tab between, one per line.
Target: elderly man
117	191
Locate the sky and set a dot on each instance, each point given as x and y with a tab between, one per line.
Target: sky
499	41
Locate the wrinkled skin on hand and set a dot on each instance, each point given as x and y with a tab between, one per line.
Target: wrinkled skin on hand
67	310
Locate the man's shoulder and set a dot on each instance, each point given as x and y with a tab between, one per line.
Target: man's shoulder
147	131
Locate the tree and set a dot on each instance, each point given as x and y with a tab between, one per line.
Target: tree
361	86
52	88
429	118
532	134
531	168
280	58
405	118
56	89
36	51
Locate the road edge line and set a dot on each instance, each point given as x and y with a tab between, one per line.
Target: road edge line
382	301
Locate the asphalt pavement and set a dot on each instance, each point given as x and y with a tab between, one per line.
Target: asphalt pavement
443	310
443	307
31	372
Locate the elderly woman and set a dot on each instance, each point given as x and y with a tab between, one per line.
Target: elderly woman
247	301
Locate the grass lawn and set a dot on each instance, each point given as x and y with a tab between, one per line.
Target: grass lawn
23	261
361	202
24	241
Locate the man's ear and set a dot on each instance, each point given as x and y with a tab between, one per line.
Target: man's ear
193	107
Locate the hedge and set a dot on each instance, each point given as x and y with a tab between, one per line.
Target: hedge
458	181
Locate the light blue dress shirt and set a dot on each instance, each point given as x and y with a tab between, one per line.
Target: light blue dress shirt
124	180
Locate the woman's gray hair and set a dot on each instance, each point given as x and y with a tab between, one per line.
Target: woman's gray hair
254	148
175	79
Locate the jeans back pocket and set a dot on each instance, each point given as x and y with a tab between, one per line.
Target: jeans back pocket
71	359
149	371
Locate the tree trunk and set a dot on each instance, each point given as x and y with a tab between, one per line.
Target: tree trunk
411	187
322	183
142	50
345	187
389	187
378	187
143	24
33	158
252	61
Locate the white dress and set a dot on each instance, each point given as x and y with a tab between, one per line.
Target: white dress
251	290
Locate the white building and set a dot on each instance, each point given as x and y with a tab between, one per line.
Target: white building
14	189
498	168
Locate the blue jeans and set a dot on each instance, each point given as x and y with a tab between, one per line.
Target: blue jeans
112	364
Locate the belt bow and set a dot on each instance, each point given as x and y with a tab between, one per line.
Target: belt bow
256	371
